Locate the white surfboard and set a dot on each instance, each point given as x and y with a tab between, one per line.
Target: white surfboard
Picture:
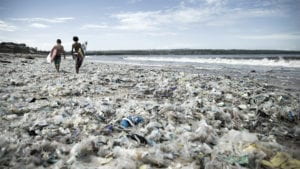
84	46
49	58
81	53
51	55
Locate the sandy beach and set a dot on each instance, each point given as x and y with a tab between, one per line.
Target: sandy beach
131	116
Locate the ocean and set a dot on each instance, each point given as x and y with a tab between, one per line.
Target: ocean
254	60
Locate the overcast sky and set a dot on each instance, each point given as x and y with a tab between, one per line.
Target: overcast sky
153	24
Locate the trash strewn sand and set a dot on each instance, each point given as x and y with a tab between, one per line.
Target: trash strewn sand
121	116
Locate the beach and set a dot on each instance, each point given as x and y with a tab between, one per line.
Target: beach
135	116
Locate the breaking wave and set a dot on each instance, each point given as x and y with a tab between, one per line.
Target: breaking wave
256	62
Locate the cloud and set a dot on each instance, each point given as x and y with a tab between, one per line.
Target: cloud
155	20
137	21
215	15
185	3
48	20
159	34
94	26
134	1
38	25
6	27
281	36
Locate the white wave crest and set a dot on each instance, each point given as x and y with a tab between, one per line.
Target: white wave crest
256	62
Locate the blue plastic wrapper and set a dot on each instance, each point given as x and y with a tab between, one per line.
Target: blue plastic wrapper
131	121
125	124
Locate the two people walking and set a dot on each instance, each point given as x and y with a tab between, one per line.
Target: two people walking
77	53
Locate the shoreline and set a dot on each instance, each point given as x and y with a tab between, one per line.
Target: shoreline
66	120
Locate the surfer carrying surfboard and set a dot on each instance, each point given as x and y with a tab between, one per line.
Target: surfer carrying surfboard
56	53
78	53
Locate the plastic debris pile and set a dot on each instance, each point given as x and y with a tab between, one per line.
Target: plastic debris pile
121	116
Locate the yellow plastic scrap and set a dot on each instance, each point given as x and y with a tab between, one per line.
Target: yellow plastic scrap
257	147
105	160
144	167
251	147
282	161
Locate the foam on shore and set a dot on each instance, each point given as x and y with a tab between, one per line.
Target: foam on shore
253	62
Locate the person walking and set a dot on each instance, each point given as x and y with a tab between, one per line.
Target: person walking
56	52
77	53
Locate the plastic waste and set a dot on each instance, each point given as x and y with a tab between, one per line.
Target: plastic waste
147	117
144	166
138	138
291	116
234	141
282	161
154	159
107	130
242	160
216	164
131	121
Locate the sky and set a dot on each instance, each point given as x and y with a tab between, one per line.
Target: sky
153	24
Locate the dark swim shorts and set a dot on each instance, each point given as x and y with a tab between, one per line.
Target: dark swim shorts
57	59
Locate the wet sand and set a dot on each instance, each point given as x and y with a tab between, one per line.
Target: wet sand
191	118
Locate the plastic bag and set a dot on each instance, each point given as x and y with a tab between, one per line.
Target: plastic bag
234	141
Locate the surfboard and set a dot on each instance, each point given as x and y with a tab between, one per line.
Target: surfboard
81	53
51	56
83	47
